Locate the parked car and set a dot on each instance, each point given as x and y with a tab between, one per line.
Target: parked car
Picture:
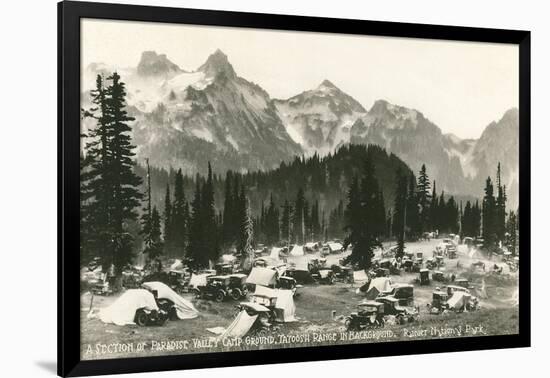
424	277
392	307
439	301
221	287
369	314
325	276
167	310
404	293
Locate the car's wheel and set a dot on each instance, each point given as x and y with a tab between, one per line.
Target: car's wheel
142	318
349	324
236	294
197	293
220	296
173	314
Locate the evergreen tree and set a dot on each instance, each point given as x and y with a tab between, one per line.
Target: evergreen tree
208	214
423	189
96	195
245	238
195	248
434	221
512	233
286	222
489	227
179	217
363	217
125	193
399	214
413	221
272	222
298	218
500	212
228	211
168	247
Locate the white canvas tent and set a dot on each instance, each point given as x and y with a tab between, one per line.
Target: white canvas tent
285	302
458	300
297	250
360	275
262	276
198	280
335	247
275	253
184	308
123	310
381	284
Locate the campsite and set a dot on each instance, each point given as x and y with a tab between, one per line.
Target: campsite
318	309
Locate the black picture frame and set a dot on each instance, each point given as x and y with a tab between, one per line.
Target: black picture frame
69	15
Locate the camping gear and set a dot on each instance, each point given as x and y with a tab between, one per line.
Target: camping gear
424	277
262	276
184	308
281	301
297	250
123	310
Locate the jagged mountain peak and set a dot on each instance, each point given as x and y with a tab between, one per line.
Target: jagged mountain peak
327	84
153	64
217	63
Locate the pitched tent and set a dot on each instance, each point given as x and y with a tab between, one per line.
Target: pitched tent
240	326
372	293
123	310
176	265
381	284
335	247
458	300
184	308
285	302
275	253
262	276
360	275
198	280
297	250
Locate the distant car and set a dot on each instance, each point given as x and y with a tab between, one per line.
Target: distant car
221	287
392	307
404	293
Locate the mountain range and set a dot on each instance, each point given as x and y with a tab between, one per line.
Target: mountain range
187	117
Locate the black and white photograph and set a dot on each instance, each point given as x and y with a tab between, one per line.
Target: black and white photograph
246	189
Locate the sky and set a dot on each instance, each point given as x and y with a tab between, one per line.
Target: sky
460	86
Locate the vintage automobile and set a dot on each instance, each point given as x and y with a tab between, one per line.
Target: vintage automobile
343	273
167	310
439	276
369	314
237	286
463	282
221	287
404	293
392	307
451	252
407	265
478	265
439	301
431	263
325	276
381	272
451	289
424	277
178	280
223	269
286	282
